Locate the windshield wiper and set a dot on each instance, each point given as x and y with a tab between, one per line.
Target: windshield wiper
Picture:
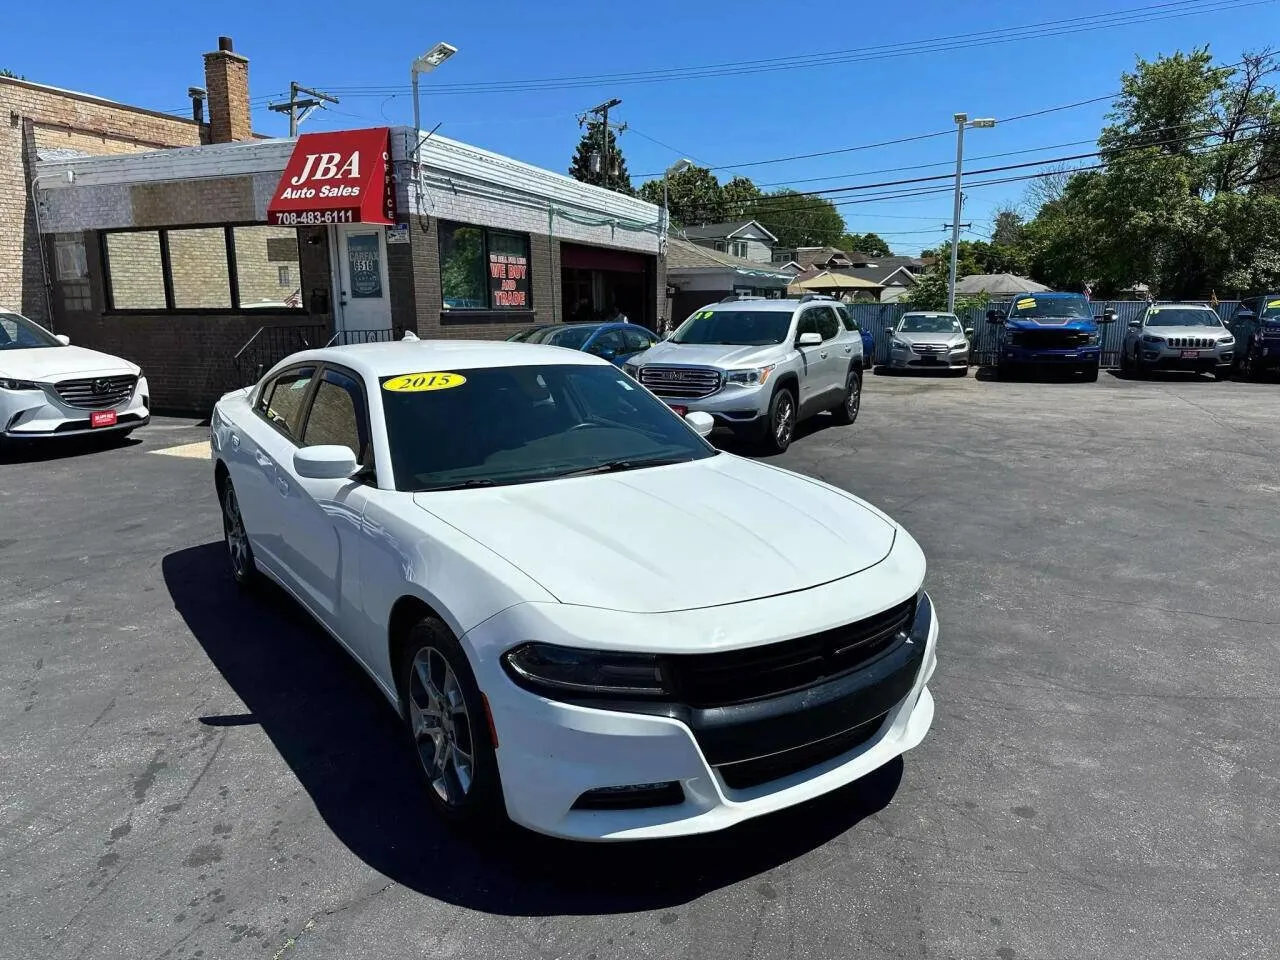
461	485
617	466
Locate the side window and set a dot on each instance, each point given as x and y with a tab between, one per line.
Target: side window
610	342
281	402
808	322
338	416
637	339
846	319
828	325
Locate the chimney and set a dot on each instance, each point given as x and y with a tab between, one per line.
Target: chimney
226	76
197	96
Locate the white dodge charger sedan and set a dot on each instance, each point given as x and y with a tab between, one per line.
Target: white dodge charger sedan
589	618
51	389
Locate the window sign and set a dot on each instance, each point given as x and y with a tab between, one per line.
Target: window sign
364	263
468	254
508	271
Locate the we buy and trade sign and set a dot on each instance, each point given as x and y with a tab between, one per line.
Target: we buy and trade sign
337	177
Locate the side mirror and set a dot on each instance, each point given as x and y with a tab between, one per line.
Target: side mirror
702	423
809	339
1107	316
1245	315
325	462
63	339
1135	323
969	333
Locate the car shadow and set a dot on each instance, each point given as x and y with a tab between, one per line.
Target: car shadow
1031	375
346	746
725	440
942	373
61	448
1170	376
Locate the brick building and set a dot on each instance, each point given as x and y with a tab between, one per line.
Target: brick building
190	263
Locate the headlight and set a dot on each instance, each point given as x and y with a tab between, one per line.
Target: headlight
556	671
1226	341
6	384
631	370
897	344
957	347
1093	339
1151	338
754	375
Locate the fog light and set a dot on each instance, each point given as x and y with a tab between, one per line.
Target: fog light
632	796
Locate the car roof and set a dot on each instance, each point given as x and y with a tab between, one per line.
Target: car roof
769	305
377	360
1055	295
928	313
1183	306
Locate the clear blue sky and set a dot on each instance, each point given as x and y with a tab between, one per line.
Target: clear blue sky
150	56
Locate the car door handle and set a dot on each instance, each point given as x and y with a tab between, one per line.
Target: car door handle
823	355
263	460
235	440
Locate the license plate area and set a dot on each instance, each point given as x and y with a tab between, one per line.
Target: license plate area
679	408
1190	354
102	418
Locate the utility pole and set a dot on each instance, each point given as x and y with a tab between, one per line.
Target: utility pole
602	112
307	105
961	120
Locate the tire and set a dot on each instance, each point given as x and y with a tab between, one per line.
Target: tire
1221	373
1124	361
1135	369
445	718
1003	370
851	403
244	570
1249	365
780	428
1091	373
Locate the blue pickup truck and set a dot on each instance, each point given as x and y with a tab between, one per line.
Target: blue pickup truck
1051	330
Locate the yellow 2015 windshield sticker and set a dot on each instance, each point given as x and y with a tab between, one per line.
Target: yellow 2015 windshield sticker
1027	303
421	382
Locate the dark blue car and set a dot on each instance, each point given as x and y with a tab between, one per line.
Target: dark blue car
614	342
1049	329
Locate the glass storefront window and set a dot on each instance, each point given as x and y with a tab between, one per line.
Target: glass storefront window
135	270
484	269
198	265
267	274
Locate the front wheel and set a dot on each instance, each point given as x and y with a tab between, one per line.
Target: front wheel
781	427
849	407
239	551
1091	373
448	726
1221	373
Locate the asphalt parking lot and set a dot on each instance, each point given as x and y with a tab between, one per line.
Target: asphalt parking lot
186	773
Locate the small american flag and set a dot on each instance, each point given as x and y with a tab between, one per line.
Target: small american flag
1088	292
294	299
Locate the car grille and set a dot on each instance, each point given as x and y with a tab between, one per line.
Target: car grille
1199	343
752	773
740	676
1048	339
97	393
929	349
686	383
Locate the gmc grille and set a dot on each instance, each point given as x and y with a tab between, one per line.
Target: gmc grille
739	676
685	383
97	393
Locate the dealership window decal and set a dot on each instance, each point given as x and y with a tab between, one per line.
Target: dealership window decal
216	269
484	269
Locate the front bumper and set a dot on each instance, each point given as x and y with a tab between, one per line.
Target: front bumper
1069	356
910	360
35	414
739	407
1267	352
550	753
1161	357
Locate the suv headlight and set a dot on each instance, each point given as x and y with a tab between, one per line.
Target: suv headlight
752	375
1151	338
1093	339
897	344
631	370
962	345
1226	341
555	671
8	384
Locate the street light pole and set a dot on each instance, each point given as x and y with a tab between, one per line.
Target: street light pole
425	64
962	120
680	166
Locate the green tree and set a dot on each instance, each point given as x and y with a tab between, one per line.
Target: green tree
869	243
737	198
695	196
588	163
6	72
799	220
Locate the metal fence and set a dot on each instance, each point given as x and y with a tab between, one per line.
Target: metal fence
271	343
878	318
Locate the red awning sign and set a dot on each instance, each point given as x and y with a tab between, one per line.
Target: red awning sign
338	177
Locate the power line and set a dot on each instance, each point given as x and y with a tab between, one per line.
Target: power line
1060	27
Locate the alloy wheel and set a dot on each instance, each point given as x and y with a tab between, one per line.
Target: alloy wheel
784	422
853	396
441	726
236	536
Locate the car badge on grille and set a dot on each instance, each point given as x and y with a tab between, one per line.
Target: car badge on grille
678	375
100	386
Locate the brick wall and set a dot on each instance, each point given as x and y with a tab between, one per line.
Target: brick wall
32	116
226	80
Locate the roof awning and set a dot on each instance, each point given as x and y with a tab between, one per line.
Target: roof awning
338	177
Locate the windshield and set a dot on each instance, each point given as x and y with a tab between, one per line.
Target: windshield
747	328
923	324
1036	308
19	333
1182	317
505	425
1270	309
571	338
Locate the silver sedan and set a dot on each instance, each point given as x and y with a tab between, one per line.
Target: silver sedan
930	341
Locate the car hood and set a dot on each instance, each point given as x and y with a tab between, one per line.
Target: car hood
51	364
931	337
709	354
701	534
